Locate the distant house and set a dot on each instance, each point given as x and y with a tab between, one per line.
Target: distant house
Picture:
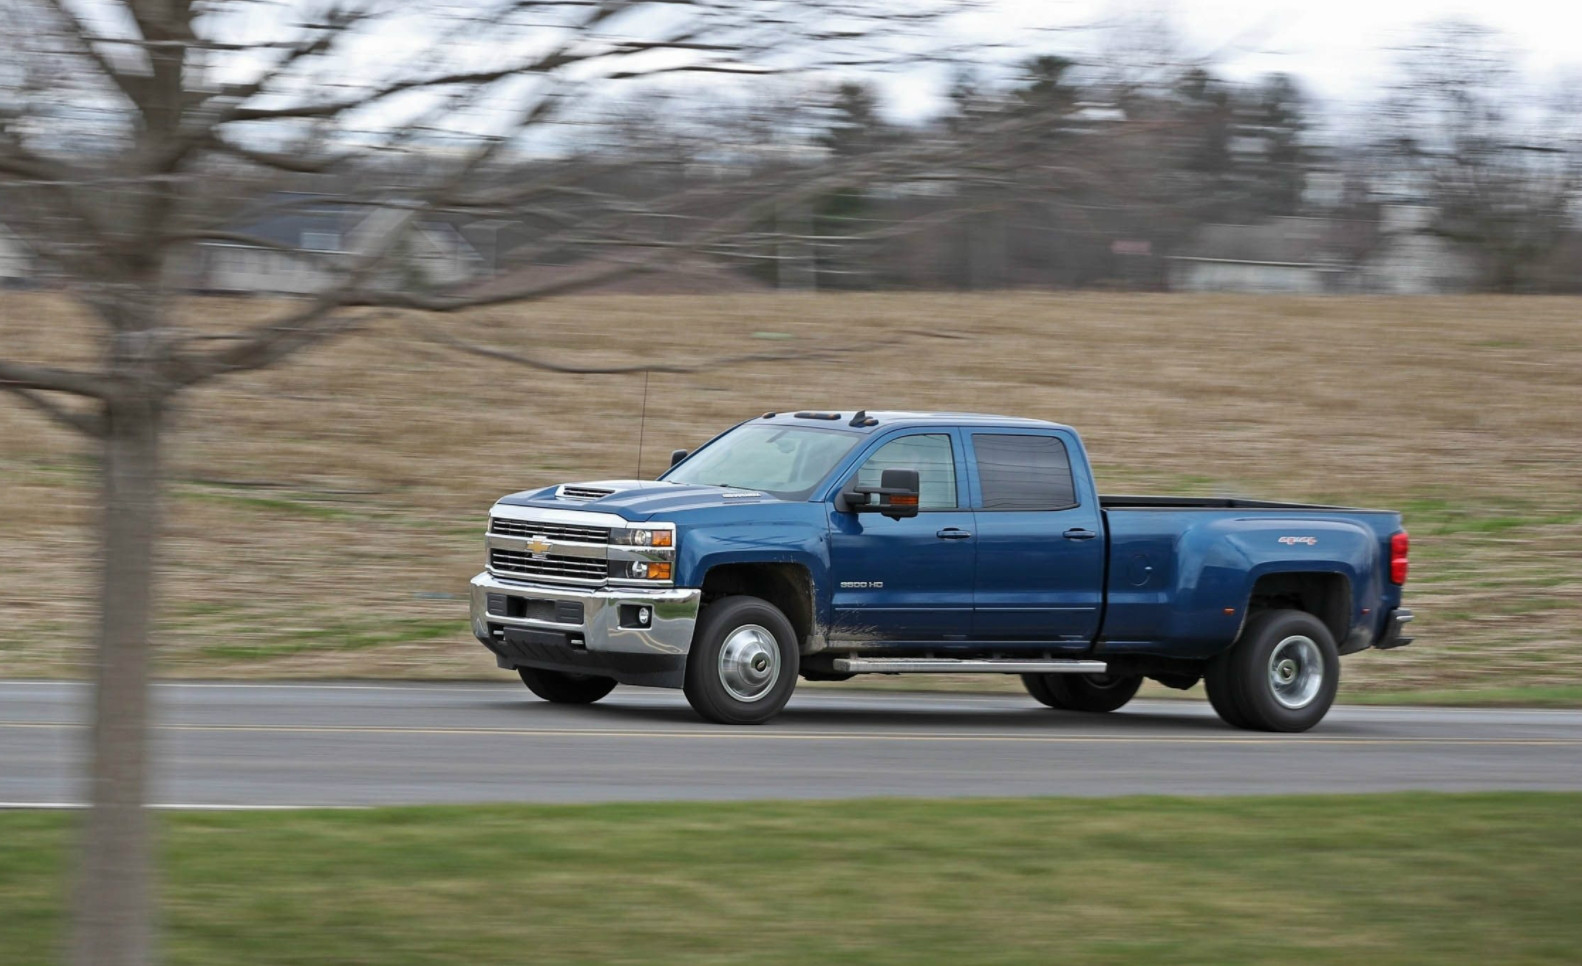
304	248
1408	260
1396	254
16	262
1282	255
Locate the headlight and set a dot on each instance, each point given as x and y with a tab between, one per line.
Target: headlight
641	569
644	538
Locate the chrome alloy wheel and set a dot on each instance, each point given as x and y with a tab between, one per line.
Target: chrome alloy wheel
749	663
1296	672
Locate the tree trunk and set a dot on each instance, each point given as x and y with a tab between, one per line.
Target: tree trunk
114	901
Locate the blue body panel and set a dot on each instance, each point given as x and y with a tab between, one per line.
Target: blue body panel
1034	586
1180	579
1166	580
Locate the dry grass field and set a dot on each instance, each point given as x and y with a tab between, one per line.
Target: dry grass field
324	518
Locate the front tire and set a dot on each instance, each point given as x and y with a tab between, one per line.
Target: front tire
1280	675
1092	693
558	687
744	662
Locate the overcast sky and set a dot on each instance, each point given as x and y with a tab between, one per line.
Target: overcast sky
1338	48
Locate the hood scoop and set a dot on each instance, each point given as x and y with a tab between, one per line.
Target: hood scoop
582	494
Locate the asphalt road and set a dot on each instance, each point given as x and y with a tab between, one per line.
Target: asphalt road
232	745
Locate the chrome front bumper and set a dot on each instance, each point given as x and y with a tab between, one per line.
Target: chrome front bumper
608	625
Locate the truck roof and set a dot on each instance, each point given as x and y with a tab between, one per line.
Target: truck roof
879	419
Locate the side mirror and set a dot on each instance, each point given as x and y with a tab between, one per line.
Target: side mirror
677	455
898	495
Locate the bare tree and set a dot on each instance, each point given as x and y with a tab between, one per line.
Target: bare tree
1501	169
133	131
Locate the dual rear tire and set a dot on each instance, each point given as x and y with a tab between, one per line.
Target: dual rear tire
1093	693
1280	675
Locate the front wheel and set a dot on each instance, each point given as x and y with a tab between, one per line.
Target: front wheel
1280	675
744	661
558	687
1095	693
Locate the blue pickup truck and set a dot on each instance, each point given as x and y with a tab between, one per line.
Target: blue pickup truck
824	545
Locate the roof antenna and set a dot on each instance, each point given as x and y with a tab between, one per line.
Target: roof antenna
642	426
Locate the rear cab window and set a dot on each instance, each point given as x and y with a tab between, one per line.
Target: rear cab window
1023	472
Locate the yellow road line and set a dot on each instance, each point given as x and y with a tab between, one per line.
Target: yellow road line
764	735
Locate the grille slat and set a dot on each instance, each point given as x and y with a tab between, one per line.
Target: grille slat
549	565
554	531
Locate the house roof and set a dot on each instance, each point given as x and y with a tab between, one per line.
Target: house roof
1278	241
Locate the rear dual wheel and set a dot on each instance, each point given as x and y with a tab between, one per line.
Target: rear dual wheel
1280	675
1096	693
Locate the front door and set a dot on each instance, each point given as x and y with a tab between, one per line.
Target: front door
1040	572
910	579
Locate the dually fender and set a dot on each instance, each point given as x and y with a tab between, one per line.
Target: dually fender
1217	564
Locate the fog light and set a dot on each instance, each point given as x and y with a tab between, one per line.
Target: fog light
644	616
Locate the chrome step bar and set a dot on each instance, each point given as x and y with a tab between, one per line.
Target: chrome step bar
950	665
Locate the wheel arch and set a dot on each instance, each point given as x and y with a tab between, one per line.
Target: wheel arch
788	586
1323	593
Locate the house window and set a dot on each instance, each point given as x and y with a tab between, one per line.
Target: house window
321	241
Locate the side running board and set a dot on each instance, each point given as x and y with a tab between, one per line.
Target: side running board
947	665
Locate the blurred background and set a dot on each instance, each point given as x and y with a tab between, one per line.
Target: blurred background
1187	229
291	291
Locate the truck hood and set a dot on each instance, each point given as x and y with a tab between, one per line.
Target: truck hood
636	499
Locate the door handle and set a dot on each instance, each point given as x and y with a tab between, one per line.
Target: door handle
1079	533
953	533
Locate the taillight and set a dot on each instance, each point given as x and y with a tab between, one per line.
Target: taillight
1398	563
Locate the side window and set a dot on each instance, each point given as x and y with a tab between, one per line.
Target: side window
930	454
1024	472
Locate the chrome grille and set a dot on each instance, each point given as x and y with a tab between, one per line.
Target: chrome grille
548	565
554	531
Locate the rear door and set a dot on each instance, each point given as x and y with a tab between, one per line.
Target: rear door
910	579
1040	537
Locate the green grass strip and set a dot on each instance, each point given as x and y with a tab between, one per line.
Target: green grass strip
1386	879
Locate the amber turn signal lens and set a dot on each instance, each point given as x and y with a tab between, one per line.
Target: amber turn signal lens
663	538
903	500
659	571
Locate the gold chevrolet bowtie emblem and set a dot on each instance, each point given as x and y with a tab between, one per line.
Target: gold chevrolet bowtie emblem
538	545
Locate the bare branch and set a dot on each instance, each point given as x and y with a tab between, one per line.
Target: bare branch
17	375
77	33
281	161
84	423
437	337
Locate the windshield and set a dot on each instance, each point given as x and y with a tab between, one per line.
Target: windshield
783	461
